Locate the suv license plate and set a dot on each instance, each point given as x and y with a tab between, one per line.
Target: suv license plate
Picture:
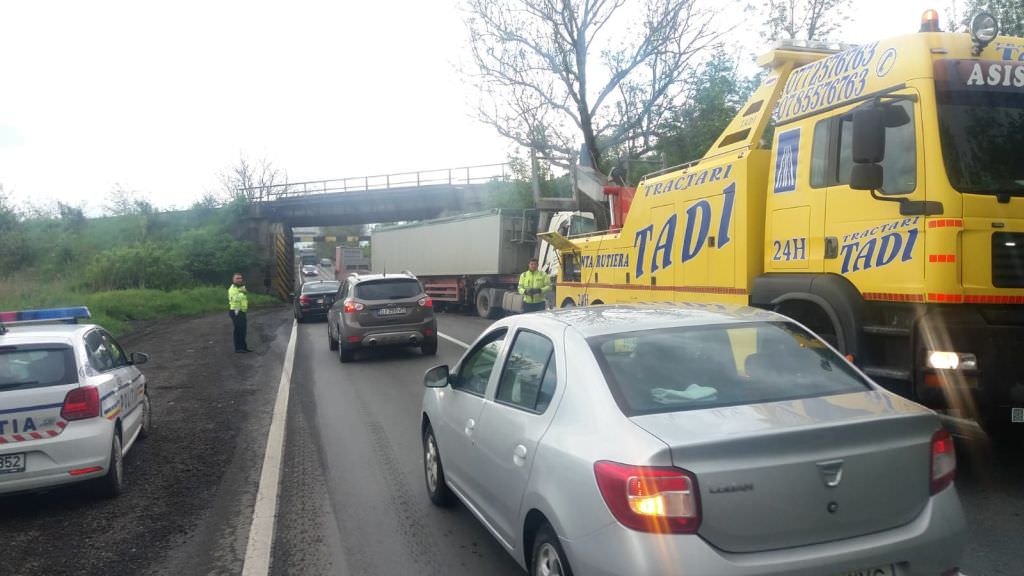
12	463
1017	415
877	571
390	311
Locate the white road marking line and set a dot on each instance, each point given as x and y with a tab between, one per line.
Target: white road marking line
455	340
264	514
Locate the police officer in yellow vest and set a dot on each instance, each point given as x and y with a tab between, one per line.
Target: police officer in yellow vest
532	285
238	306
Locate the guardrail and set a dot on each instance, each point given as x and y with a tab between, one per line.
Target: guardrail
450	176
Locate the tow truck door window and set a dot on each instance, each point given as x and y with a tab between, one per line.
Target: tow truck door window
880	250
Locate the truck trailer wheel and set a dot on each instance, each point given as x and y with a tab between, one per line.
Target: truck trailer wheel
485	306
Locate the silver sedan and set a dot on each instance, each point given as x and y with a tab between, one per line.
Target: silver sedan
688	440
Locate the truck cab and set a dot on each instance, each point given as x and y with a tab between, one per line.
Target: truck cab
873	193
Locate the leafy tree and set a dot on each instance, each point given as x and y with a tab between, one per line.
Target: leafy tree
1009	14
72	216
804	19
715	97
552	72
15	250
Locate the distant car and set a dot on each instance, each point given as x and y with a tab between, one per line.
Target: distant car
72	402
678	440
310	270
315	299
326	262
375	310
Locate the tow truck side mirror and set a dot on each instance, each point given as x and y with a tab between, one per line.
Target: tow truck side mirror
868	148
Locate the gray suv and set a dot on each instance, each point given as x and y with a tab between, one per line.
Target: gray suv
373	310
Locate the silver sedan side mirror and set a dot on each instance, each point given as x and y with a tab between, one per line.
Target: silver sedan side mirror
436	377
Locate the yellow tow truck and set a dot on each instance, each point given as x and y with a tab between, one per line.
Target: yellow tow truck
885	211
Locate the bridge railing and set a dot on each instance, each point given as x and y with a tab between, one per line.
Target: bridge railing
443	176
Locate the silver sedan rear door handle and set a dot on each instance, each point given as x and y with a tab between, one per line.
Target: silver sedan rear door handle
519	455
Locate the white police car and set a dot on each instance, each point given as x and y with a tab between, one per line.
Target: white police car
71	402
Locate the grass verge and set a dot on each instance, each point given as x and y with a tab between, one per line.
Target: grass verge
119	310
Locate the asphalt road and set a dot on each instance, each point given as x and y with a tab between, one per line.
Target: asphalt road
354	502
353	469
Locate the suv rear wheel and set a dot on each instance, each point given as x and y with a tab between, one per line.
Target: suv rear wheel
345	354
429	347
332	343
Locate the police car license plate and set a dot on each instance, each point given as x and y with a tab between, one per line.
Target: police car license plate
877	571
390	311
12	463
1017	415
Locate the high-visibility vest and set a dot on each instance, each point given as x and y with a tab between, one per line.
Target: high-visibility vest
237	299
535	279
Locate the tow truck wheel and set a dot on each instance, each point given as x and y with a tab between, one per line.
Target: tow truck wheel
112	484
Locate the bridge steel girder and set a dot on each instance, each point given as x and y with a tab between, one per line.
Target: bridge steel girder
365	207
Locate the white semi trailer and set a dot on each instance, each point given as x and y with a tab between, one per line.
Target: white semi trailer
473	261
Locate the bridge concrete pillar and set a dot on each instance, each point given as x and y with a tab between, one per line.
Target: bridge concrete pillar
273	242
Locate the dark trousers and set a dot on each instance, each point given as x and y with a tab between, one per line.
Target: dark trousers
534	307
238	319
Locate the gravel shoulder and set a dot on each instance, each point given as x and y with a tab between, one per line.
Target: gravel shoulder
191	485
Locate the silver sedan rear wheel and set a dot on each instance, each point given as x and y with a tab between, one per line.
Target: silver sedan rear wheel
548	557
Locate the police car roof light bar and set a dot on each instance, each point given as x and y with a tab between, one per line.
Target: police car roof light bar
69	315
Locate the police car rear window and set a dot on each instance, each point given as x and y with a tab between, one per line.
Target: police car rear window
36	366
387	289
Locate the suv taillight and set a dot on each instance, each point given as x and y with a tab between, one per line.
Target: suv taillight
943	467
81	403
351	306
650	499
426	302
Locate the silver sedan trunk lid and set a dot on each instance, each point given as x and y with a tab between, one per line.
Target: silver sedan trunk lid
800	472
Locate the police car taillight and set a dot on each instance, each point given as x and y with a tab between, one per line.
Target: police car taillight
81	403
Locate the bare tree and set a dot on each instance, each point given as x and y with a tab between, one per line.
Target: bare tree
804	19
122	201
253	181
551	71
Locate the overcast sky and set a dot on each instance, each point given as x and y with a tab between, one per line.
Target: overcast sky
162	97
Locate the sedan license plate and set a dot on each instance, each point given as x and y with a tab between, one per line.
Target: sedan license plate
390	311
877	571
10	463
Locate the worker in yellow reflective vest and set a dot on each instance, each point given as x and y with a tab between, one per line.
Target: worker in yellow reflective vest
533	284
238	306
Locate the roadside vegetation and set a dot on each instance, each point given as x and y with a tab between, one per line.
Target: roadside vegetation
134	264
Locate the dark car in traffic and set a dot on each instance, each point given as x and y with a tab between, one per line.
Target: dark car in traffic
315	299
376	310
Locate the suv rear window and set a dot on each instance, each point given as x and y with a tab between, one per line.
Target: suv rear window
33	367
387	289
691	368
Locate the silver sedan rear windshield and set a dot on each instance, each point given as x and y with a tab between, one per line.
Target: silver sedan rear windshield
36	366
689	368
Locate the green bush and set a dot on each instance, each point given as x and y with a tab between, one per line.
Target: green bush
137	266
118	310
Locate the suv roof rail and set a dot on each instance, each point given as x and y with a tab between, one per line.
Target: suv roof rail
408	273
69	315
